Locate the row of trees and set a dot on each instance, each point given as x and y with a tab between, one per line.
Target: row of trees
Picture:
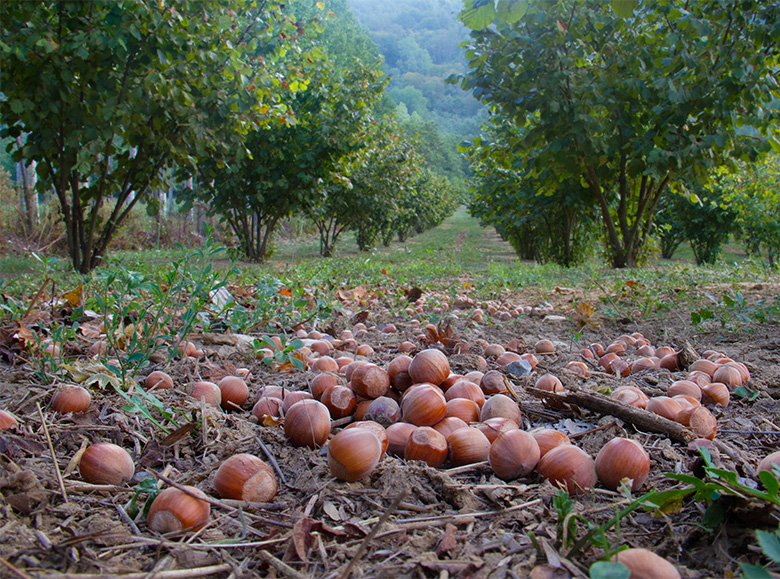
602	112
262	108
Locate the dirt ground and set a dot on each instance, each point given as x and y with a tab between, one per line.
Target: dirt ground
403	520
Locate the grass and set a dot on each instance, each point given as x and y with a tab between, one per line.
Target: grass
456	257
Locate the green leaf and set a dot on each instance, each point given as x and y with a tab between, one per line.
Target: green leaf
478	14
754	572
742	392
464	146
770	482
713	516
624	8
606	570
510	11
669	501
770	544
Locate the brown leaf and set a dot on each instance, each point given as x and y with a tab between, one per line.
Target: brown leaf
75	297
444	329
448	540
178	434
16	446
269	420
301	538
23	335
585	315
360	317
431	334
89	331
22	502
359	293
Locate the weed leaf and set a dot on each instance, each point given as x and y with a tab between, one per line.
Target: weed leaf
770	544
754	572
770	482
606	570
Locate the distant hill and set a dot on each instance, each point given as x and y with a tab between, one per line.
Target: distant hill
419	41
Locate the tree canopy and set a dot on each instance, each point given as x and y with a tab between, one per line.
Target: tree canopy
109	94
628	103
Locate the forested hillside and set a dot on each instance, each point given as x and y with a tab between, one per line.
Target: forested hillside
419	41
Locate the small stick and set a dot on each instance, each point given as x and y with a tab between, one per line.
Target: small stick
466	467
773	432
374	530
53	456
88	487
272	460
139	542
596	429
37	297
14	570
123	515
173	574
203	422
341	422
217	503
470	515
639	418
277	506
280	566
770	423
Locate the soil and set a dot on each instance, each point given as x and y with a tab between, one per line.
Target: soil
403	520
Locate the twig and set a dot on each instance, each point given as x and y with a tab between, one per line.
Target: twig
592	430
639	418
341	422
36	298
280	566
143	542
466	467
14	570
53	456
174	574
773	432
124	516
217	503
236	504
272	460
470	515
203	423
459	519
88	488
374	530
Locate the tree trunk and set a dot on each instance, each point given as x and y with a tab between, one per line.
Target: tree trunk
625	242
27	175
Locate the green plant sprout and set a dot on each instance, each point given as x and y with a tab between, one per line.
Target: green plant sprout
733	312
148	487
770	547
720	482
596	535
140	402
280	355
